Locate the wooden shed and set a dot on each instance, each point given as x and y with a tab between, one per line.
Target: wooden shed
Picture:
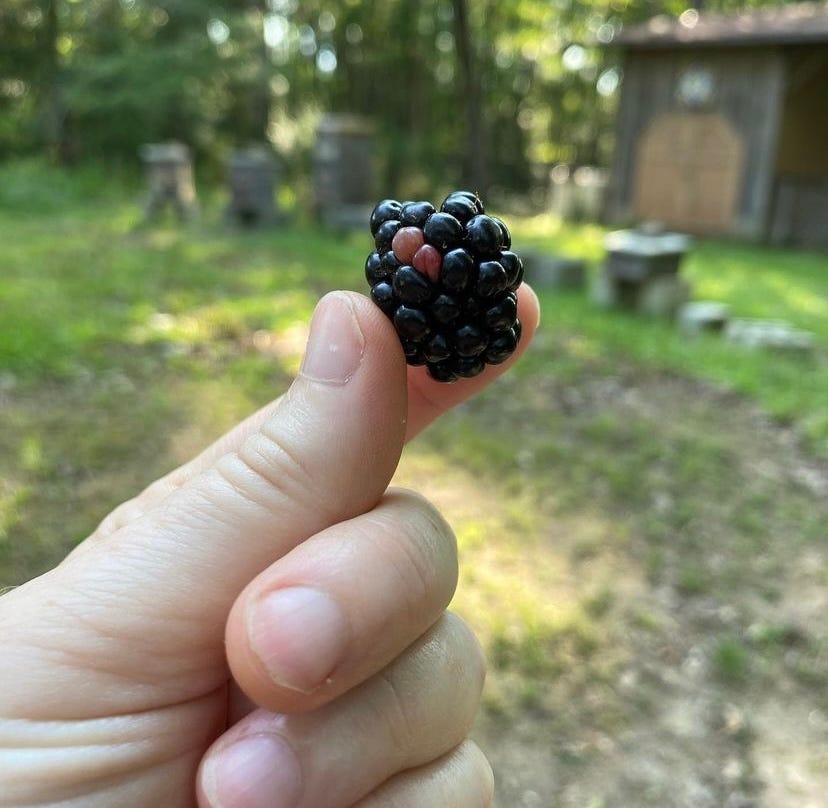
723	124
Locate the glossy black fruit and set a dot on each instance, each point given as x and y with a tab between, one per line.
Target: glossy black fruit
502	314
473	308
453	303
502	346
491	279
505	235
441	372
443	231
390	262
411	287
437	349
413	353
383	295
415	214
460	207
375	271
513	266
385	235
412	324
470	340
483	236
467	366
446	309
458	270
386	210
472	197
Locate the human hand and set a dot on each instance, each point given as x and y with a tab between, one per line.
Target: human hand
266	625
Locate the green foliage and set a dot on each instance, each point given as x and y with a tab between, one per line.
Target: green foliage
92	78
731	659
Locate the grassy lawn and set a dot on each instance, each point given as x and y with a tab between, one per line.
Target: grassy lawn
755	281
641	518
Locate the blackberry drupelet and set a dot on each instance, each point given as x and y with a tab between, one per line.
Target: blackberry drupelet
447	279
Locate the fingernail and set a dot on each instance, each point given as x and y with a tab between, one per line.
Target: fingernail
336	343
300	635
258	771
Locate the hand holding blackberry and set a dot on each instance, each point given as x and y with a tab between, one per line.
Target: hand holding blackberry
448	281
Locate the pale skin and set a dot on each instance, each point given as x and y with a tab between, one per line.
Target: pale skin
266	626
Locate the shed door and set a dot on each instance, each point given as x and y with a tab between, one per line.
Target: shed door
688	172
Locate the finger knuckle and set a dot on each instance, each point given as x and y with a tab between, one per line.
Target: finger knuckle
400	713
430	543
269	470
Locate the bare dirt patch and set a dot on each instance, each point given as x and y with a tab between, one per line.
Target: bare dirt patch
680	537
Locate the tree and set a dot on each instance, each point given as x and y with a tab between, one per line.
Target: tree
487	94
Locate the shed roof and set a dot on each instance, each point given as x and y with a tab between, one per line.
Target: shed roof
791	24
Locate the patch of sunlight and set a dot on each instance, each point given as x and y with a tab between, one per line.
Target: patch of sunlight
31	454
12	498
580	347
213	408
164	239
543	224
512	575
242	319
287	344
271	274
472	534
585	240
124	218
803	300
720	287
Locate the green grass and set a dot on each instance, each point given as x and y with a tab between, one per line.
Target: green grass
731	659
756	281
81	279
606	498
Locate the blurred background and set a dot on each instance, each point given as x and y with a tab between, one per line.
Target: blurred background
641	505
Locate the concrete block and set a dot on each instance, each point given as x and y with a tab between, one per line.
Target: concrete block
770	334
702	316
664	296
555	271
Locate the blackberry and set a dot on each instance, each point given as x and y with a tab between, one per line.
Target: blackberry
447	280
415	214
375	271
483	235
458	270
491	279
467	366
385	235
514	268
505	235
412	324
383	295
471	197
443	231
503	314
460	207
411	287
386	210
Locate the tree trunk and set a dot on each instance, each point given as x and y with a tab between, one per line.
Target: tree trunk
51	97
398	96
257	101
474	156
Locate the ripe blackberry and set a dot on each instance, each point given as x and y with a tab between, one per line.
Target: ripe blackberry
447	280
415	214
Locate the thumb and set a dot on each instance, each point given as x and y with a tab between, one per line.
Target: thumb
154	596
